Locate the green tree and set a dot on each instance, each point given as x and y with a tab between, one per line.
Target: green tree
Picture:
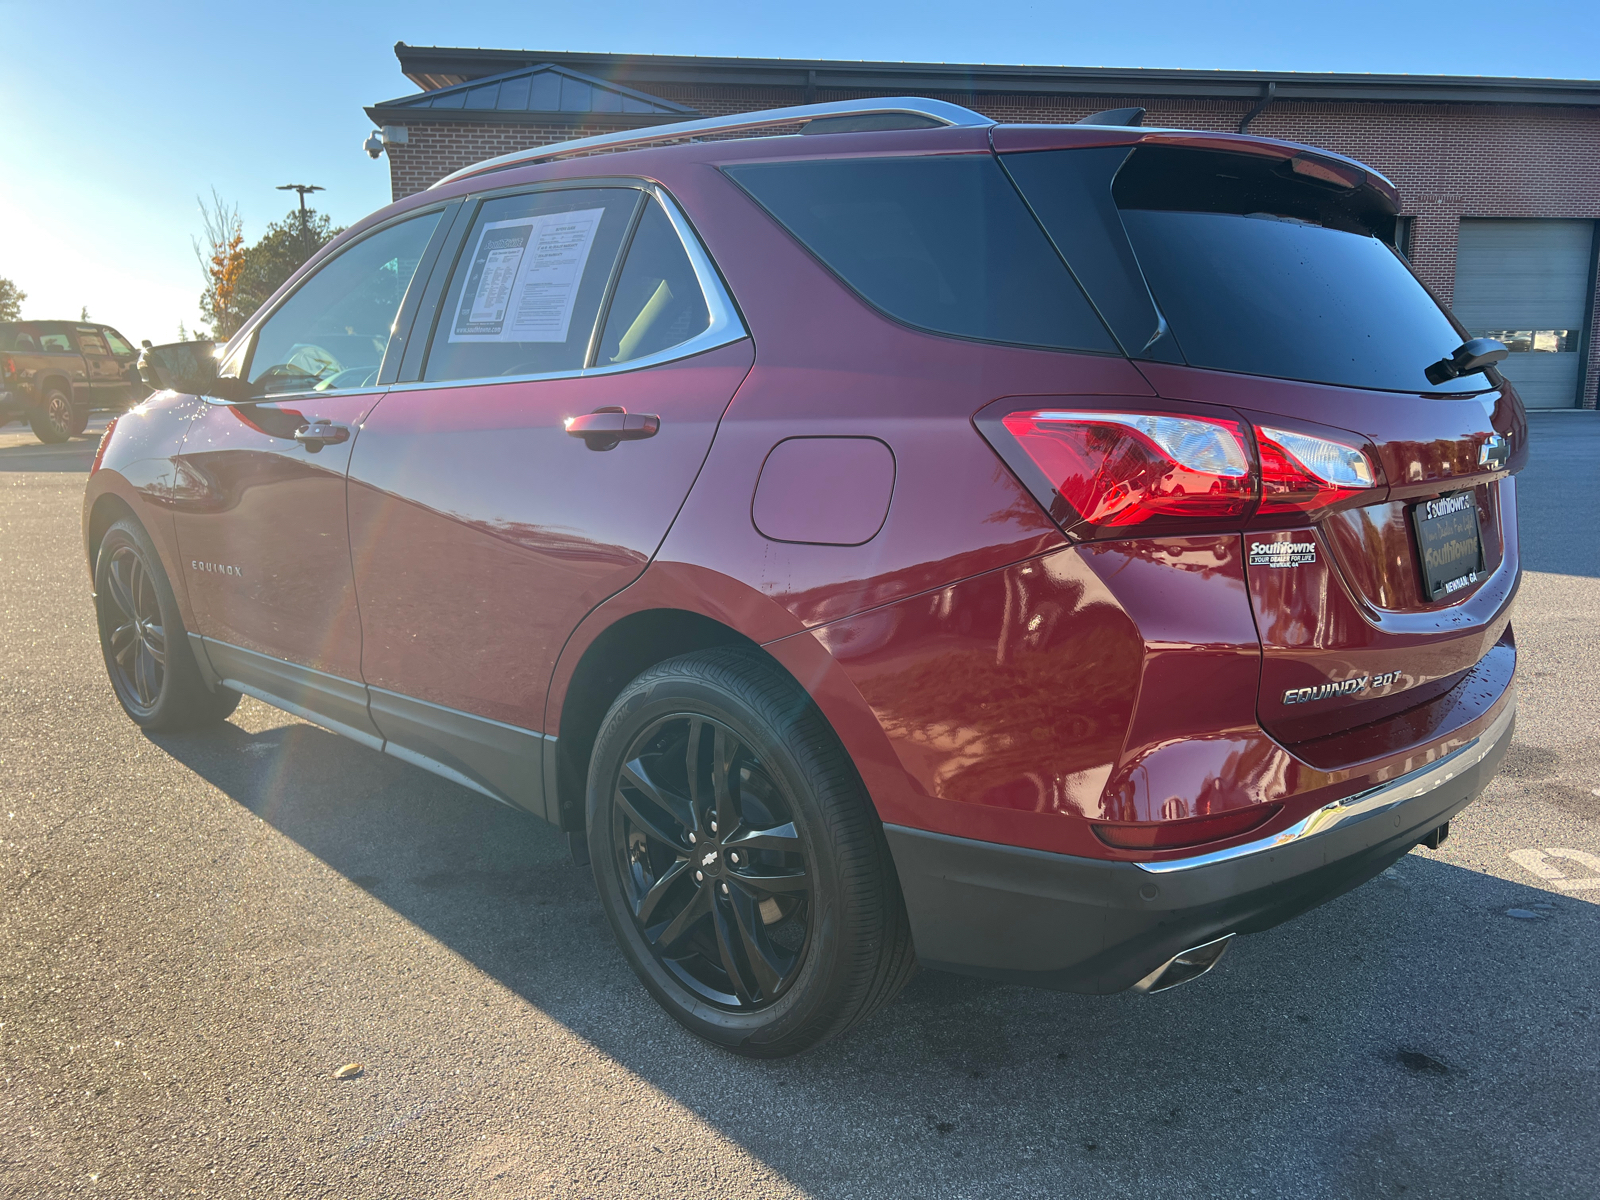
11	298
241	278
269	262
83	314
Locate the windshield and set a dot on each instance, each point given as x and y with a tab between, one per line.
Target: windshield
1264	294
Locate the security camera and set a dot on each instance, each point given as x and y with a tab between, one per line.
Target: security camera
373	145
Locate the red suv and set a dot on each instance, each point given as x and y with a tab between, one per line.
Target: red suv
1039	552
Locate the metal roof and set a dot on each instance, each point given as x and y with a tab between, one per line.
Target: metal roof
434	67
541	93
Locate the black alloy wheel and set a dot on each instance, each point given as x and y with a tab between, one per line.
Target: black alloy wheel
714	869
143	640
137	653
52	421
739	858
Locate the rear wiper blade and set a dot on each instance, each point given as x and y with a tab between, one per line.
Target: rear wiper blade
1467	358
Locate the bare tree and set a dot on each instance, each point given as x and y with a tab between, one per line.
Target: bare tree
221	259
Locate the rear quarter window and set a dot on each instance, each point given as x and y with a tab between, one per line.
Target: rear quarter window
941	242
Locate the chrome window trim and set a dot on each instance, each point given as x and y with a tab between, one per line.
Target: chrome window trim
1359	806
938	110
726	326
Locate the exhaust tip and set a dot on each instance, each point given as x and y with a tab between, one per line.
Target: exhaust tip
1184	966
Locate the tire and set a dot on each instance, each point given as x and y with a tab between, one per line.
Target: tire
143	641
52	421
80	419
794	930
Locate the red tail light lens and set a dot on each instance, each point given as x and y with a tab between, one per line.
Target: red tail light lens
1302	473
11	365
1169	835
1115	470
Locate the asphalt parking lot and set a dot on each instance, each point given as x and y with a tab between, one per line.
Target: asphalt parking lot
197	931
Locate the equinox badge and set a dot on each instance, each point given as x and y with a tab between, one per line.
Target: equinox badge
1343	687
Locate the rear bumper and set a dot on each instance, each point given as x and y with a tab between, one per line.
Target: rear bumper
1086	925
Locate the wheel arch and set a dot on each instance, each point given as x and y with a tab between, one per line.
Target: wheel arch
618	654
107	510
42	385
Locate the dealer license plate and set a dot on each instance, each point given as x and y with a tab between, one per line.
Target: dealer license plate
1448	541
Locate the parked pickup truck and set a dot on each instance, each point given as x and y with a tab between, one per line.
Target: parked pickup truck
53	374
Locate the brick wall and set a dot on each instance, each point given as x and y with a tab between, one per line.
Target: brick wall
1448	160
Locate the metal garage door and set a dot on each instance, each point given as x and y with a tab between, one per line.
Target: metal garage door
1527	283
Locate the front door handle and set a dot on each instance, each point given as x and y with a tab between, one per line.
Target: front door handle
605	427
318	434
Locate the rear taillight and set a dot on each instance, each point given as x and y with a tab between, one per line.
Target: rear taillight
11	365
1169	835
1114	470
1301	473
1103	473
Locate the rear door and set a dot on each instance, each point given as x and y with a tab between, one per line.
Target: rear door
260	499
482	530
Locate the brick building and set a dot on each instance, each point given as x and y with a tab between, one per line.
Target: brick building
1499	178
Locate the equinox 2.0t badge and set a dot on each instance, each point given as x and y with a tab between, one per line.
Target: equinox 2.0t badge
1343	687
1282	554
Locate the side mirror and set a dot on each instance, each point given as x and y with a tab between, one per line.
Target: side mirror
190	368
1467	358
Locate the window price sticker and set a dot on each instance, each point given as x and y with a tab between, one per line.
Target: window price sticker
524	278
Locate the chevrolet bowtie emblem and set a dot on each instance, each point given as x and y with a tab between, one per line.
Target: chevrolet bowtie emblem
1495	452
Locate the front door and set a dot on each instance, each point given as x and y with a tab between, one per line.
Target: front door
482	529
107	387
260	496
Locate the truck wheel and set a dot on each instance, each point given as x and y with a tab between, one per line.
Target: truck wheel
739	859
142	638
52	420
80	419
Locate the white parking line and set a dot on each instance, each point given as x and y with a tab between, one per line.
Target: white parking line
1538	861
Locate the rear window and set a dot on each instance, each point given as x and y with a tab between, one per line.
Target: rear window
1264	272
943	243
1266	295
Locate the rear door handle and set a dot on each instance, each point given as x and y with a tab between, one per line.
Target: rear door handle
318	434
605	427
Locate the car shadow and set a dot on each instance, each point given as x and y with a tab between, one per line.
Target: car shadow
1328	1046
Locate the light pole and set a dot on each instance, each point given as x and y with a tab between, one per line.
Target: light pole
305	230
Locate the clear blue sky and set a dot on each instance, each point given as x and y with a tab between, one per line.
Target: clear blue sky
114	117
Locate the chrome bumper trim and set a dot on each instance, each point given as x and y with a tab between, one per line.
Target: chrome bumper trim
1359	806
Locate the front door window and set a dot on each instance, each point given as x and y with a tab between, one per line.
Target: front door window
331	334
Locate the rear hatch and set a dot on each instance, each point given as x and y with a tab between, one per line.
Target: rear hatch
1261	277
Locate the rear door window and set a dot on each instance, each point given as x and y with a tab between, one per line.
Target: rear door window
941	242
657	303
526	291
